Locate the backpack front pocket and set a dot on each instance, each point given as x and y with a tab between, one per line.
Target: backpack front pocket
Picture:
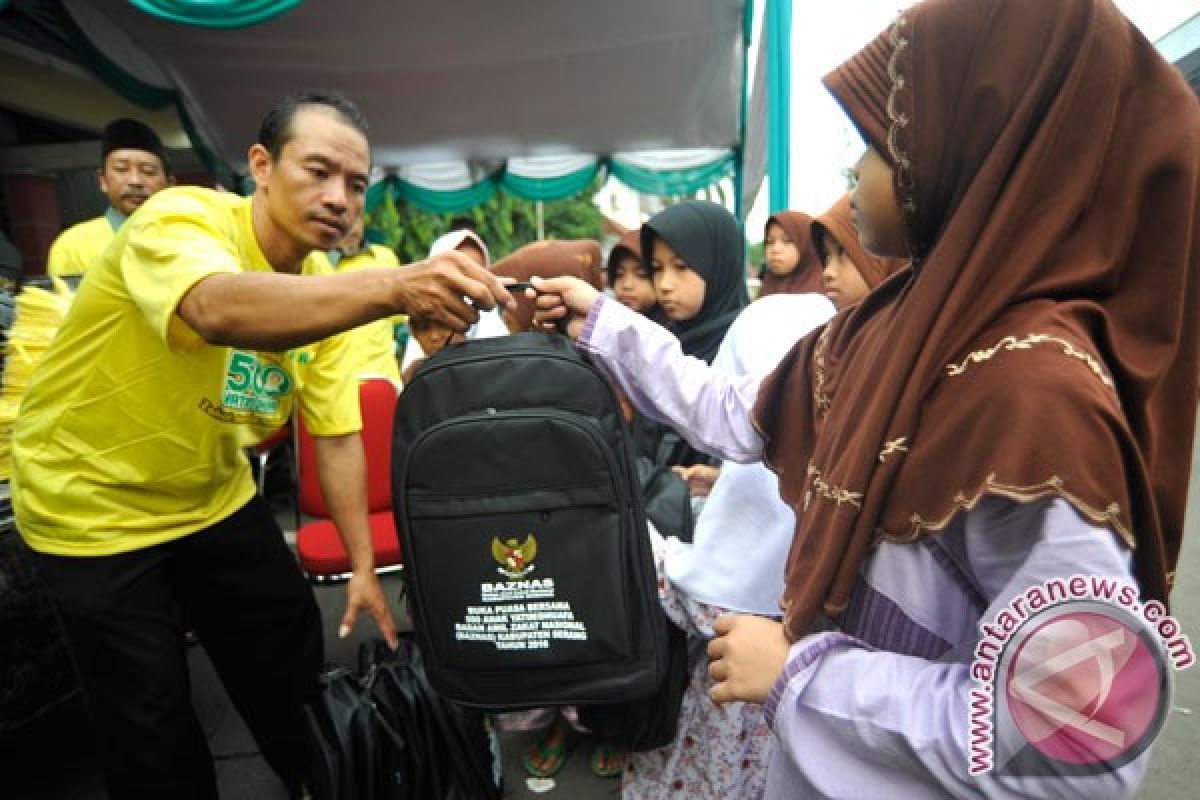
527	574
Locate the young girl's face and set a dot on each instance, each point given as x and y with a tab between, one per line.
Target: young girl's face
877	214
433	337
843	283
632	285
678	287
782	254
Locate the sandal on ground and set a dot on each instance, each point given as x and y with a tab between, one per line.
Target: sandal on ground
608	760
550	757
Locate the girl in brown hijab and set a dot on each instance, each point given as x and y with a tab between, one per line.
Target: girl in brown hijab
849	272
793	264
629	276
1014	409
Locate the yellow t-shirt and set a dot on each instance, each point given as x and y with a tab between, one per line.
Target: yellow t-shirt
79	247
375	342
133	430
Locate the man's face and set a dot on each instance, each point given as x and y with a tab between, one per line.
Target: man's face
316	188
130	176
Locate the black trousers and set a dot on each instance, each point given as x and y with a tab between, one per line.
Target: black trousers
238	586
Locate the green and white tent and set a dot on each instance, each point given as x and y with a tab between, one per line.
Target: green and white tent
469	97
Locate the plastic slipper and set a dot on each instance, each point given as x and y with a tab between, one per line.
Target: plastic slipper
610	754
551	757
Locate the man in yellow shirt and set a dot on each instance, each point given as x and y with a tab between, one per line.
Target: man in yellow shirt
194	335
374	348
133	167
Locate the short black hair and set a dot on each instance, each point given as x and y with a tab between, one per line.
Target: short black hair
276	128
463	223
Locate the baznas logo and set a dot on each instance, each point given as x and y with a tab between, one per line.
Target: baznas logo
515	560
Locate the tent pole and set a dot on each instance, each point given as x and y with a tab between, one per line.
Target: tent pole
778	29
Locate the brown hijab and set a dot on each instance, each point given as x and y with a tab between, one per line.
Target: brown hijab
806	277
1045	342
579	258
837	223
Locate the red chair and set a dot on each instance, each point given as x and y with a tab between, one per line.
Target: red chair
318	545
260	455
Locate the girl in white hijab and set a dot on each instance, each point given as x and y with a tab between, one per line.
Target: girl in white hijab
427	340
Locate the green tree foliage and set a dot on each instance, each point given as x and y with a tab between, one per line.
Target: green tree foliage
757	256
505	223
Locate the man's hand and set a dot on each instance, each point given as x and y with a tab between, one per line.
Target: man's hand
699	478
342	471
566	298
449	289
363	593
746	658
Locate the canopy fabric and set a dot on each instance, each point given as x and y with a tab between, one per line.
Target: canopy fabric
678	172
754	143
438	201
456	186
139	80
457	80
512	112
549	177
216	13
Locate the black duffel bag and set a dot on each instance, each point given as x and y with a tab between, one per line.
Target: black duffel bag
354	752
385	734
453	752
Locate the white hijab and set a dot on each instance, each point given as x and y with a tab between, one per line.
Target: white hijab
490	322
452	240
743	533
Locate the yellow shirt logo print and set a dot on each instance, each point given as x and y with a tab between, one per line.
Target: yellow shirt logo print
254	385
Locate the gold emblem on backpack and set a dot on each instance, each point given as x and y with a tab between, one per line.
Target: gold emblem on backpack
515	560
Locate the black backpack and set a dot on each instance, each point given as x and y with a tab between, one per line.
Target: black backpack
520	519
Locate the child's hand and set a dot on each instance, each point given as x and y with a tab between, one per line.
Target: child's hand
566	298
699	478
746	657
